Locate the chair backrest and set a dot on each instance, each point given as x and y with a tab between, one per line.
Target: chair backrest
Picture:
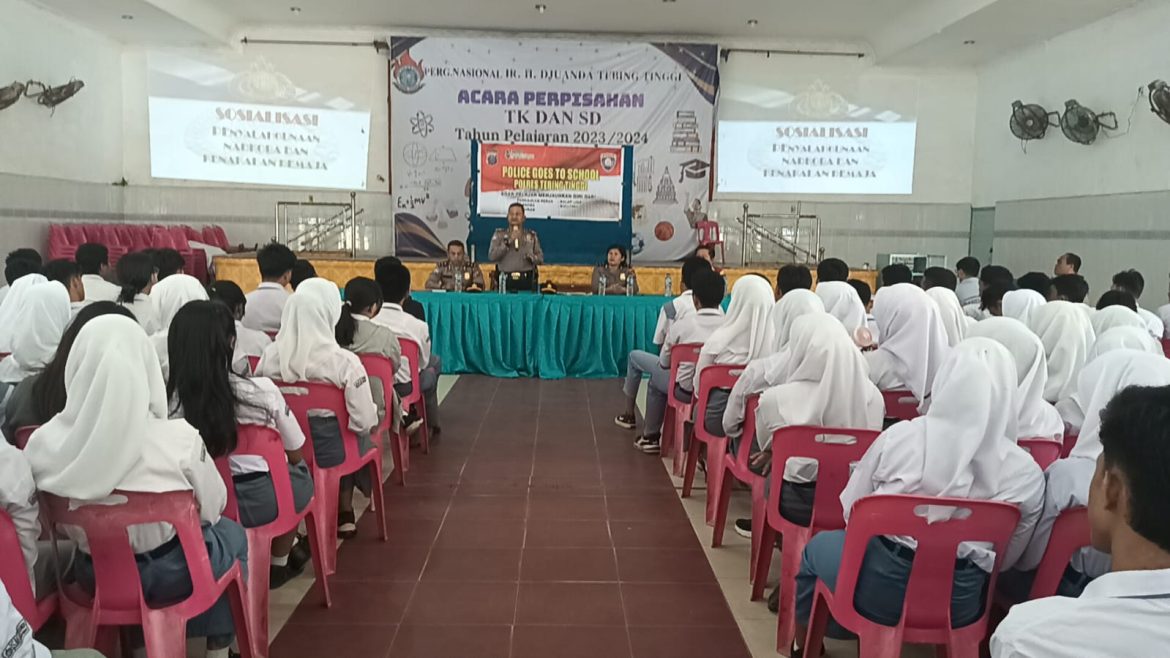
13	570
221	235
928	593
105	526
303	397
1044	451
680	354
712	378
1069	442
1070	533
379	367
835	449
901	405
263	442
22	434
411	354
708	232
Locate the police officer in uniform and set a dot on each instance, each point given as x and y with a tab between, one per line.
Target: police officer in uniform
456	273
516	251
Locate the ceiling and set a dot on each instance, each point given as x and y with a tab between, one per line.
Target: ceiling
899	32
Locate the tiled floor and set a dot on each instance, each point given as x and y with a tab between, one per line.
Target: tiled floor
532	529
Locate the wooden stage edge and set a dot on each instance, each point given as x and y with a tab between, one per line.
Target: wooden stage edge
241	268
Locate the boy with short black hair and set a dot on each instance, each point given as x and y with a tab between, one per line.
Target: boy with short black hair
266	302
792	277
65	272
93	260
1134	283
394	279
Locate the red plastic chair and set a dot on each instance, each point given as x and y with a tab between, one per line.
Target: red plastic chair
253	362
1166	347
1044	451
1070	442
673	437
303	397
22	434
834	449
711	378
710	235
901	405
219	235
410	352
379	367
118	597
926	613
14	575
1070	533
737	468
265	442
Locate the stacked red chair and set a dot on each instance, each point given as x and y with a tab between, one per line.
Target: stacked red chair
122	238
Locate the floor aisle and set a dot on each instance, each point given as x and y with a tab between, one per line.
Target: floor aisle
532	529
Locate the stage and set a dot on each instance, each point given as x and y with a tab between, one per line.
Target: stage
241	268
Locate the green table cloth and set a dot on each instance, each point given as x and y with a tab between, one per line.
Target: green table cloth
546	336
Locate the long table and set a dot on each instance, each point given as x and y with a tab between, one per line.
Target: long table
546	336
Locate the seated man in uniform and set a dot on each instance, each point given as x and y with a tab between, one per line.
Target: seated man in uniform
456	273
516	251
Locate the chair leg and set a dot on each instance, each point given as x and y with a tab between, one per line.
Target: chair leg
692	465
379	495
794	543
317	546
759	511
818	621
426	428
244	628
881	642
767	536
328	492
396	451
680	443
259	560
716	452
666	438
722	502
166	636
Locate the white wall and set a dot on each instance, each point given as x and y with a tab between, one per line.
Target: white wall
1102	66
1105	202
82	139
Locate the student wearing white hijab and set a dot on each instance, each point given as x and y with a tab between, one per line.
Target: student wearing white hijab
745	335
1072	408
1068	479
166	298
1020	304
40	319
914	342
306	350
1116	316
1067	336
9	316
963	447
114	435
842	302
825	386
954	321
1038	419
769	371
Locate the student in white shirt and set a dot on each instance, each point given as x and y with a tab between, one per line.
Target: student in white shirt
1020	304
842	302
394	280
306	350
266	302
166	298
114	434
1134	283
768	371
914	342
249	342
694	327
866	296
640	362
137	275
994	277
967	289
954	321
825	386
1068	479
1038	419
1123	612
19	262
963	447
358	333
1067	336
203	390
66	273
746	335
93	260
40	321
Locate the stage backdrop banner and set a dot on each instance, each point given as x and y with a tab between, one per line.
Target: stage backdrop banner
446	92
553	182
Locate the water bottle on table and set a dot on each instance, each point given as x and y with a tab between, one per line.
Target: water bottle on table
503	285
601	285
630	285
669	286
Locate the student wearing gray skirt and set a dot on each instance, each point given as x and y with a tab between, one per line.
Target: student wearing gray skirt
204	390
